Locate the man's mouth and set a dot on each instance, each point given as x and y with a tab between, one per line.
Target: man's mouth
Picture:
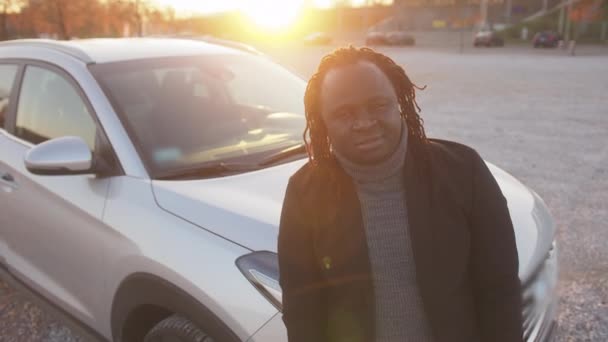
369	143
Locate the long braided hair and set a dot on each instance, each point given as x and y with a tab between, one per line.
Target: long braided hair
315	133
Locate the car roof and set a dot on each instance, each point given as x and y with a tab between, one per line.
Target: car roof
106	50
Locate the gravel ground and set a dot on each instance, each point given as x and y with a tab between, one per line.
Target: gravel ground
539	114
22	320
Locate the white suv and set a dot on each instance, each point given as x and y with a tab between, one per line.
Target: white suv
141	184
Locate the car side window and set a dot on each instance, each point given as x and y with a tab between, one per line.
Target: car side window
50	107
7	80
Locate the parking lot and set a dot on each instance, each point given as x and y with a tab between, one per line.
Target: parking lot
541	115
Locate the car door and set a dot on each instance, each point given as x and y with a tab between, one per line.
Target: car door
55	241
8	75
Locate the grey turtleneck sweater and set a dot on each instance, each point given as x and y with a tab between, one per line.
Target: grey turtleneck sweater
399	310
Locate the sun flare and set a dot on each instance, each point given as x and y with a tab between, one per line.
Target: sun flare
323	3
267	14
273	14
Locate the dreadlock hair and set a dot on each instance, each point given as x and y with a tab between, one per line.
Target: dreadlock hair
315	134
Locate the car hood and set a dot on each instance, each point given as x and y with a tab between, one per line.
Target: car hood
246	209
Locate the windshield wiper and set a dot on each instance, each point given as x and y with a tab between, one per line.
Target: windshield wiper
219	169
292	151
214	169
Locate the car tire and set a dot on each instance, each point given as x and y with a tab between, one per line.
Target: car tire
176	328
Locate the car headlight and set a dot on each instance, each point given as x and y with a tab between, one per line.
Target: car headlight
262	270
545	226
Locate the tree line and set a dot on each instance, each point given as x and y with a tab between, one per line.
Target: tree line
68	19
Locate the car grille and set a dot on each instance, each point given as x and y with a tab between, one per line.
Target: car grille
539	299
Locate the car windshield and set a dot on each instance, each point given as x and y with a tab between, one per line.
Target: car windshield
187	111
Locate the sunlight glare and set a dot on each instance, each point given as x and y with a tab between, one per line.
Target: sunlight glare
200	7
358	3
273	14
323	3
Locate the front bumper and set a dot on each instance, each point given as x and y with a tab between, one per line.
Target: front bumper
274	330
540	305
540	300
544	330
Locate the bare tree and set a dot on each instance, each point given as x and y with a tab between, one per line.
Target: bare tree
58	9
6	7
49	17
132	12
140	11
67	19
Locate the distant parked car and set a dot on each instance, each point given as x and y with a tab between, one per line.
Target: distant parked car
317	38
400	38
546	39
376	38
389	38
488	38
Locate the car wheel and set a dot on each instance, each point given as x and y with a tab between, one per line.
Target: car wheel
176	329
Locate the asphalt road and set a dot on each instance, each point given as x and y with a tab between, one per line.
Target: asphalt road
541	115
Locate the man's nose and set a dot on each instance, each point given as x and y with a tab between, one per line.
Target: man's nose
364	120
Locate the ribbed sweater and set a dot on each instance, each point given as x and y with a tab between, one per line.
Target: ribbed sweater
399	311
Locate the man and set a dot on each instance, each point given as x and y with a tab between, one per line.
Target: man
386	235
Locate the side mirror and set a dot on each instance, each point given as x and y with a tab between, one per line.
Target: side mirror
60	157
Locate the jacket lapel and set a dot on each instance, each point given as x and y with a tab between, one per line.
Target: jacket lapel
341	245
341	227
418	202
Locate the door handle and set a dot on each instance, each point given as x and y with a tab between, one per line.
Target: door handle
8	182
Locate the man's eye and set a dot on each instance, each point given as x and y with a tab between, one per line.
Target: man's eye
379	105
342	114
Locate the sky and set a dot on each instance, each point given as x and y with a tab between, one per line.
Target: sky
270	14
209	7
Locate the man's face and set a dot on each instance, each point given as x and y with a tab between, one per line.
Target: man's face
361	112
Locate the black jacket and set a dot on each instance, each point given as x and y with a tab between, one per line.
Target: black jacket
462	240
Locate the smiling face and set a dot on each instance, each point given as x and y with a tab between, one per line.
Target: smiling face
361	112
